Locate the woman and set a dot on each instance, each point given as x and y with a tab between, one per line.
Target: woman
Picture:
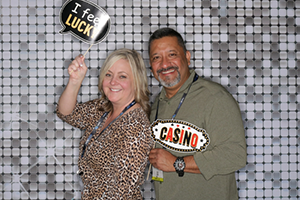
114	149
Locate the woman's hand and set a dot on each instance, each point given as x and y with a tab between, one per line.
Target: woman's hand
77	70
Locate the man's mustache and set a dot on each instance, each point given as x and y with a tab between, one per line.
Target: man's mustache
166	69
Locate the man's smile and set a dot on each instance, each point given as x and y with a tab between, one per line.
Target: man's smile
167	70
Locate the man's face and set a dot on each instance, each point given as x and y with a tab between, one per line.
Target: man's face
168	62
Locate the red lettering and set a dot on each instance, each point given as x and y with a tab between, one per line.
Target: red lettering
194	140
181	136
170	135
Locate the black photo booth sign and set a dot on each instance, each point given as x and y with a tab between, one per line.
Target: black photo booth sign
85	20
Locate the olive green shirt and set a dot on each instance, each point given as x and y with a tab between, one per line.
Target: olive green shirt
209	106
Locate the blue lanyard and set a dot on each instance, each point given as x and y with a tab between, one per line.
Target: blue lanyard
181	101
100	122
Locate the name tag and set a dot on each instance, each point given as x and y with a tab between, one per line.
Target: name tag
157	175
179	135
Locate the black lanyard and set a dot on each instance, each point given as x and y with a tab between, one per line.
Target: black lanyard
181	101
99	123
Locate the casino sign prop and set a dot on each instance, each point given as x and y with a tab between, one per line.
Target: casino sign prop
85	20
179	135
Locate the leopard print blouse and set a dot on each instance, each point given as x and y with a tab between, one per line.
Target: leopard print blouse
114	162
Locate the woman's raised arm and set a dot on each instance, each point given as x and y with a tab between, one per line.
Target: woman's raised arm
77	71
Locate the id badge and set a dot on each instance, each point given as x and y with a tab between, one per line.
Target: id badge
157	175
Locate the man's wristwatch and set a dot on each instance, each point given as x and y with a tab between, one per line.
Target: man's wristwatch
179	165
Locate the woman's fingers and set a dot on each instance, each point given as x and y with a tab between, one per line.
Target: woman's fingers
76	64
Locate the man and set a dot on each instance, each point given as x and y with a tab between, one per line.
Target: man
189	102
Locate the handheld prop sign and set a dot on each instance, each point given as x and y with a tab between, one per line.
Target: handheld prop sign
85	20
179	135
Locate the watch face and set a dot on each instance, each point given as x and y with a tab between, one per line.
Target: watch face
179	165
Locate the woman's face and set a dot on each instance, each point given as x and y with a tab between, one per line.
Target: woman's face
118	83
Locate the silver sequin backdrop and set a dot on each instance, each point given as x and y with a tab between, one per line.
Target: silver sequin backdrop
251	47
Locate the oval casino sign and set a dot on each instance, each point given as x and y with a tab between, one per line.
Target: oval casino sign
179	135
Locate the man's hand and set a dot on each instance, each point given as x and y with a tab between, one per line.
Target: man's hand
162	160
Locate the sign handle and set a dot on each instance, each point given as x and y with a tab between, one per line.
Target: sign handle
148	172
150	165
87	50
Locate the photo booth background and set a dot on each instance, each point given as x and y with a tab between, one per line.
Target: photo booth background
250	47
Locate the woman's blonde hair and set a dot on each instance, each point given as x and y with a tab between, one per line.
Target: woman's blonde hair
138	69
